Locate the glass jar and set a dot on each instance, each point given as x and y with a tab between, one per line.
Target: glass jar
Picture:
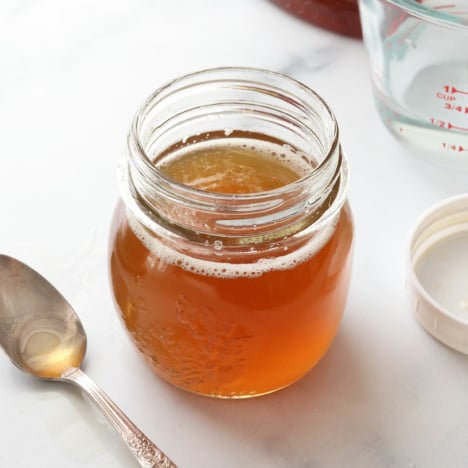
232	294
340	16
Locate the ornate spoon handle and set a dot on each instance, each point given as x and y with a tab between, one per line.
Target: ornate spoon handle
145	451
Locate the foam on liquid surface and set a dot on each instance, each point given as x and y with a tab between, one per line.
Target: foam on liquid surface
235	168
277	165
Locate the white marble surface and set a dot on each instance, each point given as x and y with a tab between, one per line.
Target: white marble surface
71	76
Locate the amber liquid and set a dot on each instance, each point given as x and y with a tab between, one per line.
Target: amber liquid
47	352
231	333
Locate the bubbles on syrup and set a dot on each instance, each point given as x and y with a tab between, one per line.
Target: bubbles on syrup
282	153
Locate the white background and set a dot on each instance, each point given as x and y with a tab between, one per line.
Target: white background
72	75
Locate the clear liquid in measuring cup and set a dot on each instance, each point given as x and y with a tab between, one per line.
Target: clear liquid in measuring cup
419	66
433	114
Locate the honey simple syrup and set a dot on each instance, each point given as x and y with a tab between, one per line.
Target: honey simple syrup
230	252
231	329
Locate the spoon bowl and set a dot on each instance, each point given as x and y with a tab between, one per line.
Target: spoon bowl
43	336
39	330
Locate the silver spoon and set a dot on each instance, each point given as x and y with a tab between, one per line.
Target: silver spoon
42	335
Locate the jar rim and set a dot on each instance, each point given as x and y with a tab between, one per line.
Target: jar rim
188	103
247	198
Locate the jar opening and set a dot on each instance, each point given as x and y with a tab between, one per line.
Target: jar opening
228	106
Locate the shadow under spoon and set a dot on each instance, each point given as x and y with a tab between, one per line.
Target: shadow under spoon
43	336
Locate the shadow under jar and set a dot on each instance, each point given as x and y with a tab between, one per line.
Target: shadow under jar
230	251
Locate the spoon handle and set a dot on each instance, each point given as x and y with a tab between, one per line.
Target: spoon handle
145	451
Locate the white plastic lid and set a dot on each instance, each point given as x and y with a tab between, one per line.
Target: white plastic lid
438	277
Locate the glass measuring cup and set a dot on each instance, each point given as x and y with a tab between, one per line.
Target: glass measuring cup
418	54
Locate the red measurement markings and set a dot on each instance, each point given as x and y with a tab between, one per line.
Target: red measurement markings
441	7
463	129
454	107
453	147
446	97
438	123
452	90
445	124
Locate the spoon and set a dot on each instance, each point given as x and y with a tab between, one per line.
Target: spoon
43	336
